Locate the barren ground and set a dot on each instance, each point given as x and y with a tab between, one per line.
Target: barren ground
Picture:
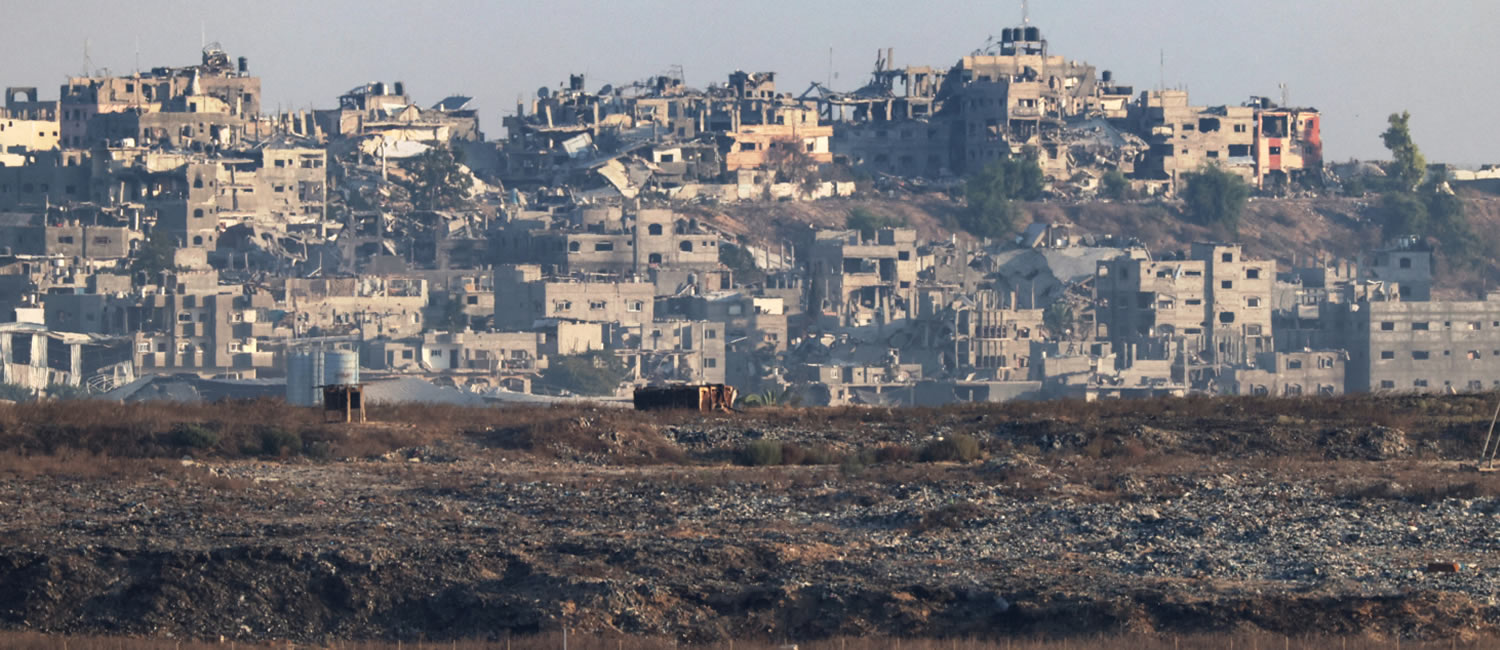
1171	517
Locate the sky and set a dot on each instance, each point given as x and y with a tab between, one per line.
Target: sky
1356	60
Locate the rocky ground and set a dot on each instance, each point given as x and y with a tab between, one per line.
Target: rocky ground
1049	534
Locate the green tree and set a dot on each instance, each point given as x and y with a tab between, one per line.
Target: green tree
155	256
1413	207
1114	185
1408	167
867	222
992	193
1216	197
789	163
1405	214
591	373
439	181
1058	319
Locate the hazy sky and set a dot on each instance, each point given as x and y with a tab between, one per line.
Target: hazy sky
1357	60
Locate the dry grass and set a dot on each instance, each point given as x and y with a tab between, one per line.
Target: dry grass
1436	426
31	641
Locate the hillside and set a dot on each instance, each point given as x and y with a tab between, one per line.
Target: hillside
1286	230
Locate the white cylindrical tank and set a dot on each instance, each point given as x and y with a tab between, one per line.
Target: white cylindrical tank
341	368
301	389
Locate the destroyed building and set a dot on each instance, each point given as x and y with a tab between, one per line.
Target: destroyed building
211	104
604	240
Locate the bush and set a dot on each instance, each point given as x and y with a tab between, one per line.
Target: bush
959	447
66	392
792	454
194	436
895	454
16	393
867	222
1216	197
856	462
591	373
279	442
1114	185
761	453
818	456
991	196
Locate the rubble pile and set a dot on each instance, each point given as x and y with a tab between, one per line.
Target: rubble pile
456	540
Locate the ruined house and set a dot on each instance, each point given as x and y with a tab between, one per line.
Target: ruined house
201	106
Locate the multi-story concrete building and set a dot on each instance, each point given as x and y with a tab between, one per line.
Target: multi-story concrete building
1424	347
198	106
1215	301
523	297
26	126
634	244
862	281
494	353
372	306
677	350
1184	138
1407	264
1288	145
1290	374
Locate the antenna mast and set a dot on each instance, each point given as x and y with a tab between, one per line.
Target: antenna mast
87	61
1162	70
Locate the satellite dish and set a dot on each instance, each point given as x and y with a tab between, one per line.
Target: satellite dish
543	92
607	89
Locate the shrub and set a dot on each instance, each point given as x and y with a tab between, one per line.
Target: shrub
279	442
991	193
791	454
895	454
761	453
817	456
958	447
855	462
1114	185
66	392
867	222
194	436
1215	197
590	373
16	393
